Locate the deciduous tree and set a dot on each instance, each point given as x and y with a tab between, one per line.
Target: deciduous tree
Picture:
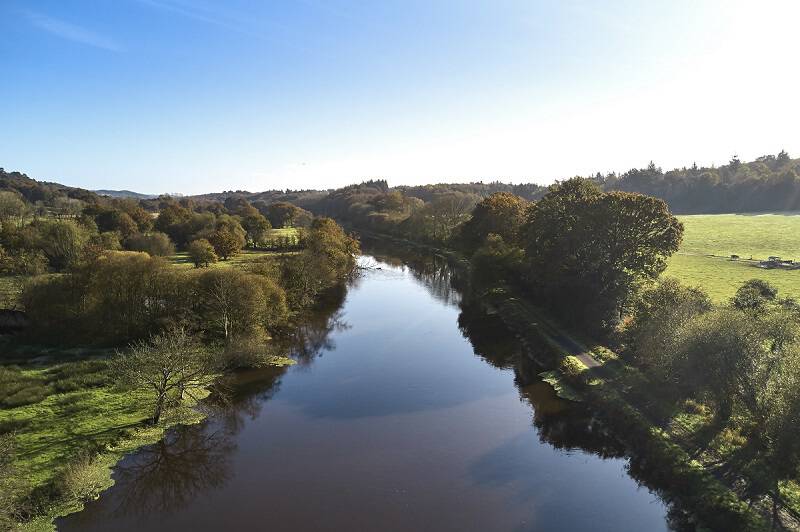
170	364
202	253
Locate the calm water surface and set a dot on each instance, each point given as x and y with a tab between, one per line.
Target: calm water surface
408	411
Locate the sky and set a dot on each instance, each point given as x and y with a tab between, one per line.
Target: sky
199	96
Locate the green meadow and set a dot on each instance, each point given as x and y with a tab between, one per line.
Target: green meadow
710	239
71	424
182	259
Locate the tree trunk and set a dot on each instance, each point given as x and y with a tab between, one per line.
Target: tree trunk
159	408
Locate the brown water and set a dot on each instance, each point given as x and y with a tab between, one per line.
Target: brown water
409	410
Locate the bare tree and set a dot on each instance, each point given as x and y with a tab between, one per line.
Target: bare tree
171	364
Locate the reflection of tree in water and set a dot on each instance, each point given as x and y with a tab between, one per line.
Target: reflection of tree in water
164	477
248	391
562	424
488	335
191	460
310	337
433	271
313	337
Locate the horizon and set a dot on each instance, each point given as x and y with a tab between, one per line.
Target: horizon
303	95
356	181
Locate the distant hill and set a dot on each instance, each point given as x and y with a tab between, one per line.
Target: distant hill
124	194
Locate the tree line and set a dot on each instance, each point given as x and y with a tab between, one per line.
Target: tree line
116	297
46	227
580	250
770	183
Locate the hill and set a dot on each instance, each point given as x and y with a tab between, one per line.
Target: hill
124	194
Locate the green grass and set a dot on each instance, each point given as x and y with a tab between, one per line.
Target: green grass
68	412
720	277
747	235
182	260
290	232
759	235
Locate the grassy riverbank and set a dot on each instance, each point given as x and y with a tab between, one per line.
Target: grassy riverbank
684	457
71	424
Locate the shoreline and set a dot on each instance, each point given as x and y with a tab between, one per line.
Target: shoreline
680	478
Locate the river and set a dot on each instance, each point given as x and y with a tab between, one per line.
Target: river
409	409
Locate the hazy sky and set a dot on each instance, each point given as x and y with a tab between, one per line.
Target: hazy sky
195	96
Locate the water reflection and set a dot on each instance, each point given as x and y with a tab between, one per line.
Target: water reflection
402	417
165	476
431	269
312	336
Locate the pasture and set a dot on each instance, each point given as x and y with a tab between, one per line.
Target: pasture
286	234
182	259
710	239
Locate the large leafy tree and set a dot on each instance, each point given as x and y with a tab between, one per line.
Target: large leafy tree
588	250
202	253
329	257
61	241
256	227
656	315
501	213
281	214
227	242
233	304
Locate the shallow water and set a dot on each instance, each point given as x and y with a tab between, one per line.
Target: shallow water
408	411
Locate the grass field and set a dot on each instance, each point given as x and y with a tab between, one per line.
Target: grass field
182	260
710	239
290	232
71	424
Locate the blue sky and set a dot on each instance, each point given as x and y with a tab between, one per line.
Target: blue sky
195	96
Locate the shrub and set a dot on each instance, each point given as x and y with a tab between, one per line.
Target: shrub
156	244
84	477
572	368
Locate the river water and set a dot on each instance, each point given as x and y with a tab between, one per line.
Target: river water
409	409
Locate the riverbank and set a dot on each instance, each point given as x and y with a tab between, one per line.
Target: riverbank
71	424
670	468
414	404
580	369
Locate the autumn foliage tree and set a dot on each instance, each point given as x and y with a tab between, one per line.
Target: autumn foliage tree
501	214
202	253
226	242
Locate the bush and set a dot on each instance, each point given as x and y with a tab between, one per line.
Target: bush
572	368
84	477
155	244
